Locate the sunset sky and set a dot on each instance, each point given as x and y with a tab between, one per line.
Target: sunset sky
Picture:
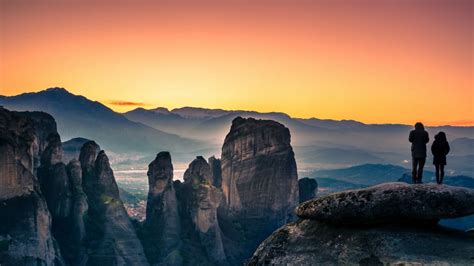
376	61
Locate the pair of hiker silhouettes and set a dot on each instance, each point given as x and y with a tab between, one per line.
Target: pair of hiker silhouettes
440	148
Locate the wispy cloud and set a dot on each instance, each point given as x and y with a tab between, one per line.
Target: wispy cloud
126	103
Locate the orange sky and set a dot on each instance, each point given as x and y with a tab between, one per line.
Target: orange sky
381	61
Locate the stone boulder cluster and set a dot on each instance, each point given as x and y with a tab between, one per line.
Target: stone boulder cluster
224	207
57	214
387	224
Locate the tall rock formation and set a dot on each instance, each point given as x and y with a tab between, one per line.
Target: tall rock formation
181	227
25	227
111	238
308	188
259	181
203	201
75	249
162	228
44	210
67	203
259	176
54	180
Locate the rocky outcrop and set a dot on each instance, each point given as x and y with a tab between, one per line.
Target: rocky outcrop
54	180
46	220
87	158
259	182
380	225
60	189
111	238
44	125
162	228
215	165
198	172
259	176
74	249
25	227
311	242
426	202
203	201
308	187
181	226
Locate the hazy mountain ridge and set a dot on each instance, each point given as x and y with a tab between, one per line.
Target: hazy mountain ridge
79	116
191	131
331	180
320	143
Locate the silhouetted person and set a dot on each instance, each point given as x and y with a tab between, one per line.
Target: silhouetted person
418	138
440	148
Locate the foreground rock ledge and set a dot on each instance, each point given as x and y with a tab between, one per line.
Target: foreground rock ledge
310	242
390	203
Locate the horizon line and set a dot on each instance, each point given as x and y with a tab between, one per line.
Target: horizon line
142	105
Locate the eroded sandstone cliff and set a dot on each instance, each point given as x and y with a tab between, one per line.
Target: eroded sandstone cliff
202	203
25	227
49	216
162	228
110	236
259	182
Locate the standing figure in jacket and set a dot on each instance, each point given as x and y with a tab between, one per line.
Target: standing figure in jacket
418	138
440	148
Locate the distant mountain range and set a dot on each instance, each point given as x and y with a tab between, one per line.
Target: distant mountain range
190	131
78	116
318	143
365	175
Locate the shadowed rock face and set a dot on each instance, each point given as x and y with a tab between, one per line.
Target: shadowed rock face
311	242
259	176
87	158
160	179
43	125
203	201
198	172
54	180
111	238
390	202
162	224
31	214
25	227
67	203
259	182
215	165
53	152
181	226
308	188
77	252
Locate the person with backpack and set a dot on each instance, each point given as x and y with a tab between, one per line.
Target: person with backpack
418	138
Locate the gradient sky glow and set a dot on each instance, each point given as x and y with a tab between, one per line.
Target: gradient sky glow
377	61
